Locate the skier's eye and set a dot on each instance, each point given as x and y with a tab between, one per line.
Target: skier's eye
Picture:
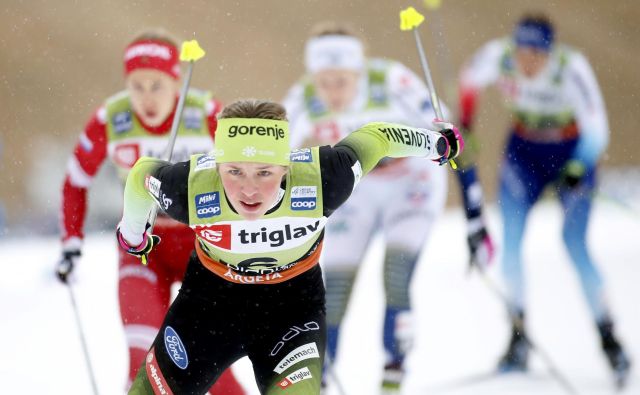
234	172
156	86
264	173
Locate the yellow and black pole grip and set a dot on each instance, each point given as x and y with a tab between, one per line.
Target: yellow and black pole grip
143	249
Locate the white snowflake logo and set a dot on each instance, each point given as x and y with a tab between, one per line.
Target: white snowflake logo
249	151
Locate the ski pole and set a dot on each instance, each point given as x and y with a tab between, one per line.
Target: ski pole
190	52
410	19
444	59
519	325
83	341
334	375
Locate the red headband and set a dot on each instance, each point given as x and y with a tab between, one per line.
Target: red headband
152	54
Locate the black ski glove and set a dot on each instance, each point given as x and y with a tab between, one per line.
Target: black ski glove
572	174
65	265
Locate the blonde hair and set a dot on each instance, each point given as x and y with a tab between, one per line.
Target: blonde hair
254	108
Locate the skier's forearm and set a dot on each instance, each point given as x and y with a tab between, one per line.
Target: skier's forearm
137	199
377	140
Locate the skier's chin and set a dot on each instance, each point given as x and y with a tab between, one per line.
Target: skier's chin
152	119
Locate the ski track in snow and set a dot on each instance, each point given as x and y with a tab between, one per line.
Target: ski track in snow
461	327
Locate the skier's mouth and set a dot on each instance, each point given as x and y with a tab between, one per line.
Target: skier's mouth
150	114
251	207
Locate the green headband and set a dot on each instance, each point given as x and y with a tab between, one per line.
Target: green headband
252	140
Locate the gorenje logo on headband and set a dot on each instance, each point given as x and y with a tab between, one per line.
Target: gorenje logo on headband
275	132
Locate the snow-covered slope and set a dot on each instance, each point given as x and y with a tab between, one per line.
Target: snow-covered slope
462	327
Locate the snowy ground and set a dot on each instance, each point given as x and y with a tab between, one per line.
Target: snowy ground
462	327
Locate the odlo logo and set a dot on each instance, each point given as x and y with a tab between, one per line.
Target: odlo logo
275	132
175	348
293	332
207	204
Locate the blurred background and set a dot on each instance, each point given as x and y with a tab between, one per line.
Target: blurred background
60	59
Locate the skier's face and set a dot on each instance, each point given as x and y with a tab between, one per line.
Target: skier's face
530	61
252	188
336	88
153	95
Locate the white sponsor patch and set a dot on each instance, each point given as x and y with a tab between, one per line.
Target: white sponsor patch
306	351
263	235
205	162
357	173
151	50
154	186
304	191
296	377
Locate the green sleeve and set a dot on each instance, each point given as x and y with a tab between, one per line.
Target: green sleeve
377	140
138	199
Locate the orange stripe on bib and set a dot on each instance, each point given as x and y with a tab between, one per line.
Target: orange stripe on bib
230	275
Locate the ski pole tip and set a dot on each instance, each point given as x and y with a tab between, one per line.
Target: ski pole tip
191	51
410	18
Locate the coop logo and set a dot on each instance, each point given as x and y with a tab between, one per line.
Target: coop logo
275	132
295	377
218	235
207	204
122	122
303	197
205	162
175	348
306	351
301	155
192	117
303	204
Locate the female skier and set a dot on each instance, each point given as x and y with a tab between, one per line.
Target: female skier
253	287
130	124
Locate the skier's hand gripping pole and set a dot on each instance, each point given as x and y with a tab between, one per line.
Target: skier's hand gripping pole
410	19
190	52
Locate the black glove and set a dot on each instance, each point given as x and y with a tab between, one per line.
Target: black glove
481	247
66	264
572	174
141	251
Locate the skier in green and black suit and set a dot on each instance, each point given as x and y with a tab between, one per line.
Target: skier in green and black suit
253	286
